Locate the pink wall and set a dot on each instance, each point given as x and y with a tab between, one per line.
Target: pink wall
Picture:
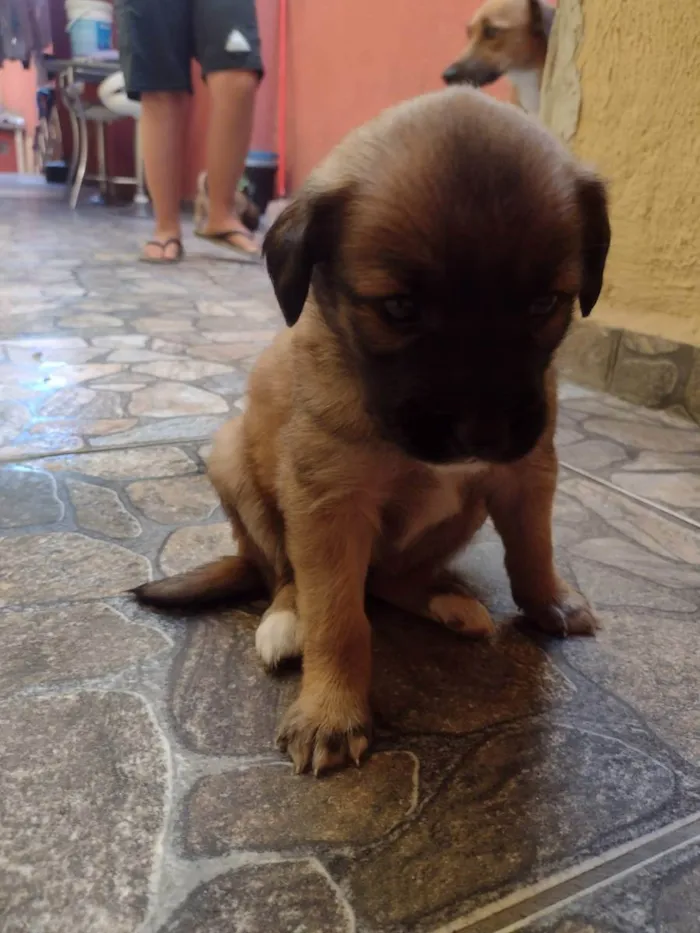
349	60
346	62
18	92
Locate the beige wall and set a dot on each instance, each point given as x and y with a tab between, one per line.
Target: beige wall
623	87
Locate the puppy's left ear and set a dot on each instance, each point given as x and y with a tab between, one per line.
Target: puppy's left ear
541	18
303	236
289	257
595	239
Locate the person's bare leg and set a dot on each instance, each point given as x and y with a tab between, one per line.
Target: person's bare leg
162	124
228	138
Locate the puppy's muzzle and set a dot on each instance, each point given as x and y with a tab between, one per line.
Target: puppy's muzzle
493	437
470	71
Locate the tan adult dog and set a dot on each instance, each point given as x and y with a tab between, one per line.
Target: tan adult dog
506	37
428	270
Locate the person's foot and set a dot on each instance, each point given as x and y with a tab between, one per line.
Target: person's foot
231	233
165	247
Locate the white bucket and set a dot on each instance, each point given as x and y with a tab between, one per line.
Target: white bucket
89	26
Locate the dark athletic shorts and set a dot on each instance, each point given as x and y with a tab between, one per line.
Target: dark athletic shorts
159	38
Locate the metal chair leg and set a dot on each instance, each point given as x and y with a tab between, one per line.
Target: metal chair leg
75	155
82	161
102	176
69	92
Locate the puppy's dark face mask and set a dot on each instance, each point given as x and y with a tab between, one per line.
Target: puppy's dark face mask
447	263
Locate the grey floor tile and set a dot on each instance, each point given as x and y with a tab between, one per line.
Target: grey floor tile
649	454
496	765
140	788
97	349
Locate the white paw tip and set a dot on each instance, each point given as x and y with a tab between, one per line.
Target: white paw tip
277	637
463	614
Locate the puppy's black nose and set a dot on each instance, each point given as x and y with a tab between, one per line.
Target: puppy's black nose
451	75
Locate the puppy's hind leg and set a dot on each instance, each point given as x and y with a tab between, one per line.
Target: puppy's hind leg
279	636
444	599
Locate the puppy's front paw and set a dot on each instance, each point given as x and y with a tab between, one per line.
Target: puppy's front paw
569	614
324	733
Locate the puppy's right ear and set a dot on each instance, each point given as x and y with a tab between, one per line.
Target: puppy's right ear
303	236
595	237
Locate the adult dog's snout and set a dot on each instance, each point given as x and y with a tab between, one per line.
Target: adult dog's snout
470	71
451	74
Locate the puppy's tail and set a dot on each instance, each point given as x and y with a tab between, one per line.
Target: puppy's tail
203	587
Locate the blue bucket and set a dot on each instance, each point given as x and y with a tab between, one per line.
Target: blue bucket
259	177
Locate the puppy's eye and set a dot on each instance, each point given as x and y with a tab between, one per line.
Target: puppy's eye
399	308
544	307
489	31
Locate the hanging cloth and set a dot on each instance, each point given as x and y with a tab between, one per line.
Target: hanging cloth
25	29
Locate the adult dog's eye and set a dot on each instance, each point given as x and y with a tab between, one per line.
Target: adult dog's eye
544	307
399	308
489	31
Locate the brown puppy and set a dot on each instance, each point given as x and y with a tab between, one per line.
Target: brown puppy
506	37
428	270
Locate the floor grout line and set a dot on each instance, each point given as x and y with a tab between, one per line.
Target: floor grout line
599	885
105	448
641	500
515	911
205	439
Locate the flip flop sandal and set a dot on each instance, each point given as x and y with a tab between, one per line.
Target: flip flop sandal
163	245
248	212
224	240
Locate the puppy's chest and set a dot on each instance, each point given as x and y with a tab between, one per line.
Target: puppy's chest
424	502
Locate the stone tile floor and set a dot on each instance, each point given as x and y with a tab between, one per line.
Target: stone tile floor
527	784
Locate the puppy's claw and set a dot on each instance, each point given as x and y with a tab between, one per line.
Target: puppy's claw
570	615
580	622
326	758
313	744
298	750
358	746
300	756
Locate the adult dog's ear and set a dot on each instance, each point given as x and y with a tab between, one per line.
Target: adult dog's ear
595	239
541	18
303	236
